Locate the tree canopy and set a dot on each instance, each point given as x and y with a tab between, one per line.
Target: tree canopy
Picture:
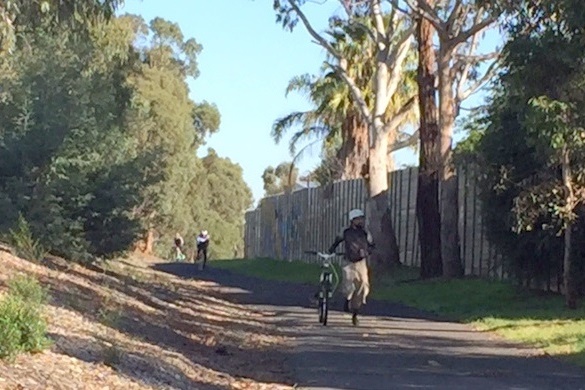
99	139
281	179
529	146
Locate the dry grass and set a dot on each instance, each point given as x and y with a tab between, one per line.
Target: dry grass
125	326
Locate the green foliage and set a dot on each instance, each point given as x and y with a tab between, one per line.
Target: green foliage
222	215
206	118
280	179
26	246
22	326
553	121
329	170
28	289
99	140
534	119
17	16
53	159
335	116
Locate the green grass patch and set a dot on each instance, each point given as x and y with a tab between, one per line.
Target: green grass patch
284	271
535	318
531	317
298	271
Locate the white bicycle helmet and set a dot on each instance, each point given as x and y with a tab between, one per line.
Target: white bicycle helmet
355	213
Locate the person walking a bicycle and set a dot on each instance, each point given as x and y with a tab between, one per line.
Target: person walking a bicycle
358	246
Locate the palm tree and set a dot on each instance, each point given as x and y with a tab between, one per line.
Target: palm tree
335	116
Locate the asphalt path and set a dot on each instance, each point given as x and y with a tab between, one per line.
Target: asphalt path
394	346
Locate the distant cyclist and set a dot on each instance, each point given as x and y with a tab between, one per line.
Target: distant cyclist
358	246
179	242
202	245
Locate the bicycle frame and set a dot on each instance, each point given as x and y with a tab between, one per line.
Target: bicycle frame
327	271
177	255
328	282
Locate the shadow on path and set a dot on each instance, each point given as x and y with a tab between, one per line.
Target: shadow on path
254	291
395	346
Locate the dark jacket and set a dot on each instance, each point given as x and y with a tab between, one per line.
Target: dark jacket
358	243
202	242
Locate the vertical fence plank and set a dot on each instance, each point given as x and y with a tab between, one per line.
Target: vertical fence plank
415	238
408	238
310	230
473	233
399	206
465	244
319	213
313	230
394	199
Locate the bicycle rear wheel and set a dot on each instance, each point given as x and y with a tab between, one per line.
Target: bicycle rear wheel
172	255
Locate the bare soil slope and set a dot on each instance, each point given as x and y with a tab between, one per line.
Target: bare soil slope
126	326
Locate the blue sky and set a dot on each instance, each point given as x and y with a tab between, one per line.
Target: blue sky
246	63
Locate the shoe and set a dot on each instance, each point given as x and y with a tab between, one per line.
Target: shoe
354	319
346	306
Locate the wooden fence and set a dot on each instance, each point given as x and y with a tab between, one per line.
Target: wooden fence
284	226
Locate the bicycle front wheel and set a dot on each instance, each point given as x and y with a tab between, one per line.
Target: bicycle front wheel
324	308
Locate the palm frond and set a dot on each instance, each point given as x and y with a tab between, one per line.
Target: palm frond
302	84
303	150
330	96
282	125
307	132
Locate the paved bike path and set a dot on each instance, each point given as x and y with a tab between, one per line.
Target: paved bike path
395	347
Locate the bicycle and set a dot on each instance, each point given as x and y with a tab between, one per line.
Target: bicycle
327	284
201	257
176	255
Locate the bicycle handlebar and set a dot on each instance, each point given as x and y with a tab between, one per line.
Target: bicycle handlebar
323	255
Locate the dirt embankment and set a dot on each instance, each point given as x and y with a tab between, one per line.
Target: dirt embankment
126	326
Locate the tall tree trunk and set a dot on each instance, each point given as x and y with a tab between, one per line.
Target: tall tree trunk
568	268
353	154
427	196
449	206
378	214
149	242
361	161
146	243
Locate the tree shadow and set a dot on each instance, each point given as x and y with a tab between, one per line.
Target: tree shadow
347	360
141	367
169	326
323	358
249	290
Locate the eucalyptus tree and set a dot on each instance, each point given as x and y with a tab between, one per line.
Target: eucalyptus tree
334	115
391	35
